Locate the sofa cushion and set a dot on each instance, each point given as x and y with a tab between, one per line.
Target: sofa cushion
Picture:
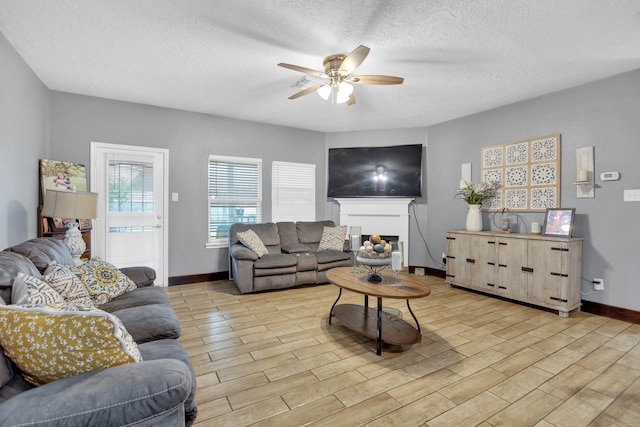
67	284
48	343
150	322
103	280
326	257
268	233
171	349
311	231
31	290
275	261
12	263
252	241
43	250
142	276
137	298
333	238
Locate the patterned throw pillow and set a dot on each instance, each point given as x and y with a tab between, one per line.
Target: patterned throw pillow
68	285
103	280
333	238
48	343
31	290
251	240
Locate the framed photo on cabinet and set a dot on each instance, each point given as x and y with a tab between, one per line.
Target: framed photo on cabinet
559	222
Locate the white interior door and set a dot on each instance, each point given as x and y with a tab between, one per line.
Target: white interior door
131	228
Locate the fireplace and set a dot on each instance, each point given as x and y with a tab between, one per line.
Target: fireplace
384	216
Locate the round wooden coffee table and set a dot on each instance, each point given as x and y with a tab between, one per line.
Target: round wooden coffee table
373	322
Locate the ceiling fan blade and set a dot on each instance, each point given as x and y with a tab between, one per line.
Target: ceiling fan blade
353	60
352	99
376	80
306	91
304	70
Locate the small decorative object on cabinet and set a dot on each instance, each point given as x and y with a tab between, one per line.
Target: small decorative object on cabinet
476	195
474	218
539	270
73	206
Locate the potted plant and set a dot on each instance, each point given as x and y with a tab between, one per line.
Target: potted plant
476	195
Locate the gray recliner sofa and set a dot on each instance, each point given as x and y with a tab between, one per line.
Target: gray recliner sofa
293	258
159	391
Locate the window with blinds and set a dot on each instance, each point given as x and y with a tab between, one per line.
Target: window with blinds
235	195
293	194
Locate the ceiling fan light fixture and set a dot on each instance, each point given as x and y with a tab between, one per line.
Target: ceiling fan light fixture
344	90
324	92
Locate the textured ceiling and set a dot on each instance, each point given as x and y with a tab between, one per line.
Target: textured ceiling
219	57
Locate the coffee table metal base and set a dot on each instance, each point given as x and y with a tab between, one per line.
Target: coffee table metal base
376	324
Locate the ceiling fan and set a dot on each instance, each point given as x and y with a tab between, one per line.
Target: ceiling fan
337	77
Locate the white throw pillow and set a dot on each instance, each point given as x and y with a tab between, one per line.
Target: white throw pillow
333	238
31	290
251	240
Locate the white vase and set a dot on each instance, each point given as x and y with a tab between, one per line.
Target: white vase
474	218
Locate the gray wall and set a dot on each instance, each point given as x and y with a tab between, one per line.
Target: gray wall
23	140
604	114
77	120
418	210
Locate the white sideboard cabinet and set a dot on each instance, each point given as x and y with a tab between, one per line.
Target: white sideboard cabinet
539	270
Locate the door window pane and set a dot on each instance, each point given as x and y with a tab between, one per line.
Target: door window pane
130	188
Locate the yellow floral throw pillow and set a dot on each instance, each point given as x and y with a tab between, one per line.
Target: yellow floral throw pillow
50	343
103	280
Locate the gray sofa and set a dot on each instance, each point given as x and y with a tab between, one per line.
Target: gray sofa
159	391
293	258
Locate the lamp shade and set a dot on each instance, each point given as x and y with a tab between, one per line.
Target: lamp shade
70	204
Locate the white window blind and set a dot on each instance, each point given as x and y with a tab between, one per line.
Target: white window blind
235	195
293	194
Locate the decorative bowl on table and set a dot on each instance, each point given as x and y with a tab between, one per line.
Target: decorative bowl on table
375	256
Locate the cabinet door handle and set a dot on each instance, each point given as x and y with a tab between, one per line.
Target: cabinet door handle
491	263
558	299
502	265
491	242
502	287
451	238
491	284
527	269
503	243
560	249
471	261
450	275
559	274
450	257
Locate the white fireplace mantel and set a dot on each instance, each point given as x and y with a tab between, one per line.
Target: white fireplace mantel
384	216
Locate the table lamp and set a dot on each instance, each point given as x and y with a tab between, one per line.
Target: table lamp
73	205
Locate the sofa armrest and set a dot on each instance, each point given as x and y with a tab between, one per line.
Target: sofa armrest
239	251
295	248
152	391
141	276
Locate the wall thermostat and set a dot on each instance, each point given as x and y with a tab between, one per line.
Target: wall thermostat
609	176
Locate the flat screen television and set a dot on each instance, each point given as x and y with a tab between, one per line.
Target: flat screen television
394	171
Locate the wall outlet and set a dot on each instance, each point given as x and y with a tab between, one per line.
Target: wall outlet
598	284
418	271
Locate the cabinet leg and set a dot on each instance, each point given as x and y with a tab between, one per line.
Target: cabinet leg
563	314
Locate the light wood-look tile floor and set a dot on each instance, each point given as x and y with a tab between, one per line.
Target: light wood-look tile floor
271	359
